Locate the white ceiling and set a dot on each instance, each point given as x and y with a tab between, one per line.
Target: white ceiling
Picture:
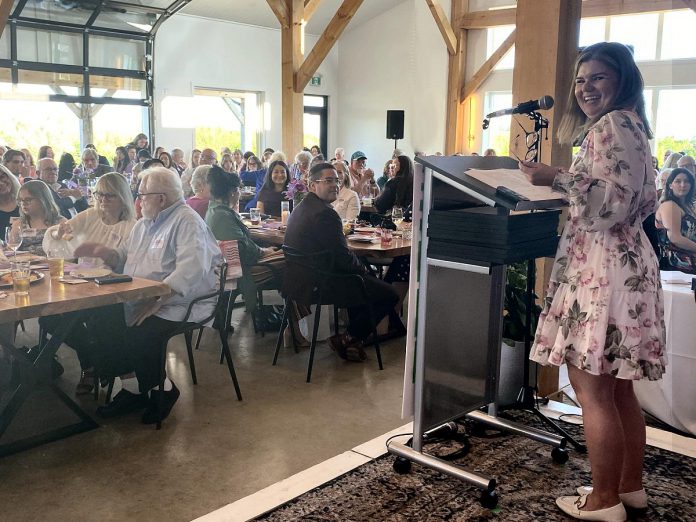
257	12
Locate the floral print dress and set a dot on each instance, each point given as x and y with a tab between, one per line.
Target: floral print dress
603	311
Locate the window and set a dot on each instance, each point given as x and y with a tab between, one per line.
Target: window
678	37
497	136
675	116
592	30
638	31
220	118
496	36
315	122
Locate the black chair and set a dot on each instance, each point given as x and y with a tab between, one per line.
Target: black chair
221	320
315	265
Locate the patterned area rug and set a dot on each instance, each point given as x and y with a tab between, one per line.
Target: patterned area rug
528	483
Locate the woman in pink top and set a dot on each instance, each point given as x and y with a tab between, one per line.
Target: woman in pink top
201	193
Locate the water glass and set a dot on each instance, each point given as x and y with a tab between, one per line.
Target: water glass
20	278
255	216
284	212
386	236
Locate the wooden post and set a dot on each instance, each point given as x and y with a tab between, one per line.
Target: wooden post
454	130
292	56
5	8
546	45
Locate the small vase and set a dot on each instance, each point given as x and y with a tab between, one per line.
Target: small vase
297	198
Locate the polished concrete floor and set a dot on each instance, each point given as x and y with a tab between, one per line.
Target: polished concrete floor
212	450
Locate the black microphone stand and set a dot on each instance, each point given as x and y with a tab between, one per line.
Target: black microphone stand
526	397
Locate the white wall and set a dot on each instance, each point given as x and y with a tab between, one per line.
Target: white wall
197	52
397	60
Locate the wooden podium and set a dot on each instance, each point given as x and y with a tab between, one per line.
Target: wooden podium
466	232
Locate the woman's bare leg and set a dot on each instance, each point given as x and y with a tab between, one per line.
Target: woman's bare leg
634	436
603	433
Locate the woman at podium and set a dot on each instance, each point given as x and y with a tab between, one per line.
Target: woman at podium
603	313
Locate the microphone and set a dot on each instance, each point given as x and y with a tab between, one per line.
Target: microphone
544	103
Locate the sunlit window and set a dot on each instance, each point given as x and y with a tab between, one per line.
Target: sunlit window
638	31
678	35
496	36
676	114
497	136
592	30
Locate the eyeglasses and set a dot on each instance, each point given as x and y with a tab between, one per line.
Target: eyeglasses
333	181
109	197
25	201
142	195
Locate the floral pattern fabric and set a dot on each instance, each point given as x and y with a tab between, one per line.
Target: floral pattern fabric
603	311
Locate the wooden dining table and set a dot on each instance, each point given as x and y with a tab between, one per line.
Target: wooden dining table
397	247
50	297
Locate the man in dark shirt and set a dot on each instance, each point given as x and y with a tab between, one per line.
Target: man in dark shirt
69	201
314	226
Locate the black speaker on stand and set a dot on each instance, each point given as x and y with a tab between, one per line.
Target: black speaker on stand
395	126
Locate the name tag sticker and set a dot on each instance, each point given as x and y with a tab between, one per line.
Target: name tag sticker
158	242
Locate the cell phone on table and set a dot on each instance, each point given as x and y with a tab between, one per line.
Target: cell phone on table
112	279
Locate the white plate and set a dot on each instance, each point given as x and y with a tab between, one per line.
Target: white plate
363	239
90	273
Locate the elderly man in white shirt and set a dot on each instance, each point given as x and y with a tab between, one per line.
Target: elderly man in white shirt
171	244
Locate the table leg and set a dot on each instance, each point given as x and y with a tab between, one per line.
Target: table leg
35	375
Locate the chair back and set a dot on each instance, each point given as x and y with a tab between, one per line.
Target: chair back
306	273
230	251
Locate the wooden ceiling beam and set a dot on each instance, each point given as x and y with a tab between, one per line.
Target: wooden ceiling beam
5	8
480	76
443	25
280	10
590	9
326	41
310	6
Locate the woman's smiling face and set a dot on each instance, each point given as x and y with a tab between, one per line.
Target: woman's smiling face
595	88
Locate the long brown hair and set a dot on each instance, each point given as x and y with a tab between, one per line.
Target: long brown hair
629	91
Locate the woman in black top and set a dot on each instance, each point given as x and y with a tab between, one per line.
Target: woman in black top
9	188
275	183
398	192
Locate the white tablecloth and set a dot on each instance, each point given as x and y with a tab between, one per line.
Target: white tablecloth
673	399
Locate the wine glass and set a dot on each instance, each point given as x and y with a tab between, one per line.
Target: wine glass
397	214
13	238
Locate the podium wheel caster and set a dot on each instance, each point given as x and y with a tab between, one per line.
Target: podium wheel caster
401	465
559	456
489	499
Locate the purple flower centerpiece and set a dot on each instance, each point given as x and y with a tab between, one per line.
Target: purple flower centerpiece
297	190
81	179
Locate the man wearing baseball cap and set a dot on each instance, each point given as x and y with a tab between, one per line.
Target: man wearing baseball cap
360	175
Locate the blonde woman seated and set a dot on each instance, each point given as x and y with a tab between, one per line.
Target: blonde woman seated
37	212
347	204
110	223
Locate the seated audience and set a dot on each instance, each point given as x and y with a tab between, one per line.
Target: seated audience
45	151
315	150
101	159
207	157
489	152
347	204
300	170
13	160
184	255
109	222
361	176
90	164
340	155
688	163
266	158
66	166
671	162
131	161
69	201
121	160
253	176
201	193
227	163
675	220
398	192
315	227
272	191
141	142
9	189
37	212
238	160
166	160
387	174
29	168
178	161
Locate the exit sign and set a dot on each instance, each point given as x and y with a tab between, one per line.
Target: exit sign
316	81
